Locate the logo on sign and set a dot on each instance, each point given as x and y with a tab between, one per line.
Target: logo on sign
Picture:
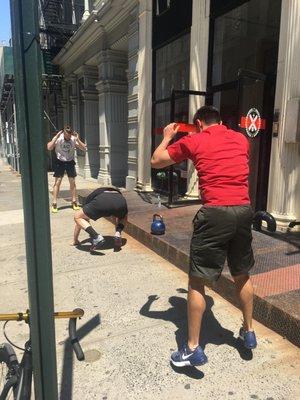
253	122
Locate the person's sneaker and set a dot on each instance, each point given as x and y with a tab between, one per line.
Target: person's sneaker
98	242
248	338
75	206
117	241
54	208
188	358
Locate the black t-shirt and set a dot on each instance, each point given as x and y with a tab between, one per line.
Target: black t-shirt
98	191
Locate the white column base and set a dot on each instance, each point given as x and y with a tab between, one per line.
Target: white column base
104	178
130	182
141	187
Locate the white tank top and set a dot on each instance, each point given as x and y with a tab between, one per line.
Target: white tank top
65	149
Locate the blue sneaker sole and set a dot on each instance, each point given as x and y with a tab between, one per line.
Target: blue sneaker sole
187	363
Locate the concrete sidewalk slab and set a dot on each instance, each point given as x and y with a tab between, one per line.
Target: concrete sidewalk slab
276	271
135	314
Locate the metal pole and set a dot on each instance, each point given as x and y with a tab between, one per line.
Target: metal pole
171	168
28	78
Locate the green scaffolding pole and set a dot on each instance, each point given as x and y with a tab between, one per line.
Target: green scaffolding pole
28	84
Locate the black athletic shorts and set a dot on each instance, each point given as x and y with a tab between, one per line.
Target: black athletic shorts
106	204
220	233
60	167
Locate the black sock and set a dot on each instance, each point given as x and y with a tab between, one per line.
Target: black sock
119	227
91	231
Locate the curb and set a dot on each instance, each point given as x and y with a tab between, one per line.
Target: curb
266	313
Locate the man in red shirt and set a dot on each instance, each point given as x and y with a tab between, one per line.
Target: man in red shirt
222	226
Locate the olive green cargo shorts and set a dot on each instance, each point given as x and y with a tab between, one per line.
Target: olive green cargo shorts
220	233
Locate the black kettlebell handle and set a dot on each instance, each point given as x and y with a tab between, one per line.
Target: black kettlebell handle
157	215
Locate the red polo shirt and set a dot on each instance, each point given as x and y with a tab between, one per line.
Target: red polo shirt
220	156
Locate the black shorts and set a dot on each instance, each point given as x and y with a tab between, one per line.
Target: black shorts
60	167
220	233
106	204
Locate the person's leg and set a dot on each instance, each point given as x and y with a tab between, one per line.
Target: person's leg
56	188
82	221
244	290
73	189
120	225
195	307
192	354
77	229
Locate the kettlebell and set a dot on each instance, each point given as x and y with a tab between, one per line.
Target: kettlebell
158	226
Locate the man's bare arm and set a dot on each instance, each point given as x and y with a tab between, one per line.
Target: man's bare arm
52	143
79	144
161	157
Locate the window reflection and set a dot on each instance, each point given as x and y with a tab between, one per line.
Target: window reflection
246	37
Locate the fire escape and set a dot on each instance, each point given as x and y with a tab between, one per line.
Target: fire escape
59	19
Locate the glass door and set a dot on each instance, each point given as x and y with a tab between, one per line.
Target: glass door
252	123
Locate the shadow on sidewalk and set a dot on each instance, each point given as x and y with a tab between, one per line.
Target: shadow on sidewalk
85	245
66	390
211	332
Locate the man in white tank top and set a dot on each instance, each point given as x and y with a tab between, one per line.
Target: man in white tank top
65	142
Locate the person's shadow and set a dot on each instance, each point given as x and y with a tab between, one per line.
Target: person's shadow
211	332
85	245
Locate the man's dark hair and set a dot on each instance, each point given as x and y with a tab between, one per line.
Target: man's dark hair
68	129
208	114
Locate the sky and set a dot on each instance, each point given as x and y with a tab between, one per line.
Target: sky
5	32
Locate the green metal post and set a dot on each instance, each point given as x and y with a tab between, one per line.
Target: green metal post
28	84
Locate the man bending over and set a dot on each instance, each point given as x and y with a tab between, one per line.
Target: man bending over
102	202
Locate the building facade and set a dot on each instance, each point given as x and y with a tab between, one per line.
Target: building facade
113	80
8	139
58	20
121	65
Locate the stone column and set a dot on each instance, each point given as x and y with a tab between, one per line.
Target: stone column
113	114
73	101
74	111
91	131
133	84
88	121
144	95
198	74
284	177
64	102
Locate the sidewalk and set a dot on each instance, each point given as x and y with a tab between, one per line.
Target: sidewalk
135	313
276	275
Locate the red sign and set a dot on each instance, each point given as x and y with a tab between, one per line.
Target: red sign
183	127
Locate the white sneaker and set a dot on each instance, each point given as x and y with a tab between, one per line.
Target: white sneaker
99	241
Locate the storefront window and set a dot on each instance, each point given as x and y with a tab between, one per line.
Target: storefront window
172	72
172	67
242	78
246	37
162	6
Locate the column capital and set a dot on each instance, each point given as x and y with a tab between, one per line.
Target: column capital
70	78
111	86
89	95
